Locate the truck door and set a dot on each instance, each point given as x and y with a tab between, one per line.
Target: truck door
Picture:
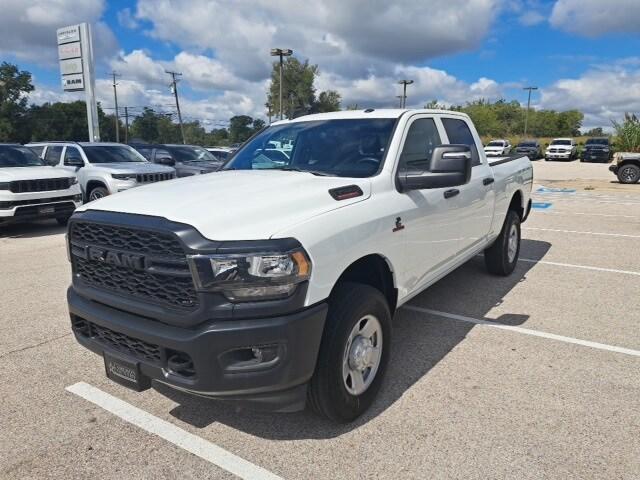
475	202
430	228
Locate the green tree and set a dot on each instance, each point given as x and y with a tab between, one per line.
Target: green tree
328	101
145	126
627	134
14	85
60	121
595	132
298	90
240	128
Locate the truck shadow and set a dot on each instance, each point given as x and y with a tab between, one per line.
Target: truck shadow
420	342
41	228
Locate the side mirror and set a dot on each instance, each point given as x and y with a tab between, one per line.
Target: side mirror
450	166
74	162
165	161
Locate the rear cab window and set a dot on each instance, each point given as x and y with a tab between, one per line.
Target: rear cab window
459	133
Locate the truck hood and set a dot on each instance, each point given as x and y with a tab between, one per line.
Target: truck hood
494	149
10	174
133	167
560	147
236	205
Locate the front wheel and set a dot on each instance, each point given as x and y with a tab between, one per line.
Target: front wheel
629	173
97	193
354	353
501	257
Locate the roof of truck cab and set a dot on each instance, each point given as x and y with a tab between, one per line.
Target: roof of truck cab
367	113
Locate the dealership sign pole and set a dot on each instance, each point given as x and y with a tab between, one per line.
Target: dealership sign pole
75	52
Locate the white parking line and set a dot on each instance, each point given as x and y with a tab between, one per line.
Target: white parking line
585	267
183	439
526	331
579	232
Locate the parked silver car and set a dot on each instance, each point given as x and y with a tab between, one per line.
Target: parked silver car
102	168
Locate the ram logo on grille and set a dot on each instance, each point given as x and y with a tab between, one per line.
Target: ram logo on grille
117	259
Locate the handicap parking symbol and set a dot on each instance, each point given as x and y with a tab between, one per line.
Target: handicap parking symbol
555	190
541	205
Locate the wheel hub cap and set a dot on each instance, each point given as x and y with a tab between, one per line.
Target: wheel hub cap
361	353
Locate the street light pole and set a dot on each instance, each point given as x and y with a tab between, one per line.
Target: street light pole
115	99
174	86
281	52
526	116
404	84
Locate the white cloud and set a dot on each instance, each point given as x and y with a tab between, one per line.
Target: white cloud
596	17
29	27
602	94
531	18
344	37
138	65
126	19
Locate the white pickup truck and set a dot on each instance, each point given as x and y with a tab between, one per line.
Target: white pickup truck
274	283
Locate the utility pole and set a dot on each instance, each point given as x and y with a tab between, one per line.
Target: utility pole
126	125
526	116
281	52
268	105
404	84
174	87
114	74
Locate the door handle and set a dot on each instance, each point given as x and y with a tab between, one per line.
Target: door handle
488	181
451	193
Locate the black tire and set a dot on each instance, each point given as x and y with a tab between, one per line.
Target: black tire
63	220
97	193
628	173
497	258
328	395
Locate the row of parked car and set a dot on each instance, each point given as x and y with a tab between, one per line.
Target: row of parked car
597	149
51	179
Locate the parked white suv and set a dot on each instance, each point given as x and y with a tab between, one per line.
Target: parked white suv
497	148
30	190
561	149
275	281
102	168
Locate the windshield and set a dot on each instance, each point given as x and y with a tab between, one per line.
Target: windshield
598	141
343	148
189	153
18	156
112	154
561	142
527	144
495	144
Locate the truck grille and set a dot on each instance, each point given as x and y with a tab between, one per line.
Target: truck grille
42	185
153	177
117	341
170	285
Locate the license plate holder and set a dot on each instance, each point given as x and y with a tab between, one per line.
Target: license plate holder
125	372
46	210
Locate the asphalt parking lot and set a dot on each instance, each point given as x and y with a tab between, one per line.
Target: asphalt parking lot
531	376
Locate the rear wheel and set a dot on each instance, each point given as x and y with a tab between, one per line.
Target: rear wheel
353	354
97	193
501	257
629	173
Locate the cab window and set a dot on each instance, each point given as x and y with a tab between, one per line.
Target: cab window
52	156
422	138
459	134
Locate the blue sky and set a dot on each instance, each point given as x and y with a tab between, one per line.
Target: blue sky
580	53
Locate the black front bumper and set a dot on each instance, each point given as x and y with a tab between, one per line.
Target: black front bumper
35	212
595	156
217	349
613	168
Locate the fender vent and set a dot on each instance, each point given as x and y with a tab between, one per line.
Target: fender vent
343	193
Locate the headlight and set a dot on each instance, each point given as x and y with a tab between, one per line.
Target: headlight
74	180
124	176
252	276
